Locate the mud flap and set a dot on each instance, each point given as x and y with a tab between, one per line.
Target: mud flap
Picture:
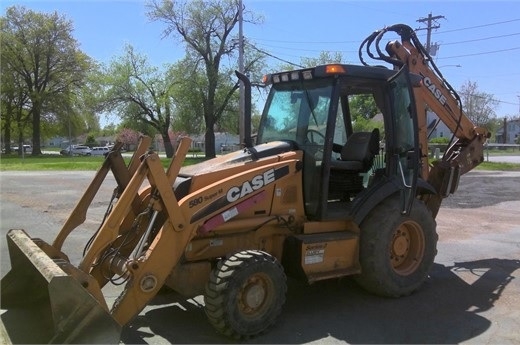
50	301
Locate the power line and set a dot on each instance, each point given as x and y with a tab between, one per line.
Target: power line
357	41
479	26
481	53
309	50
275	57
305	42
482	39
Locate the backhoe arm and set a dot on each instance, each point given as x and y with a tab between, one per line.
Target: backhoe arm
436	94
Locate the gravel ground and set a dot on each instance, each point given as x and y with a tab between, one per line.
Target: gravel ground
472	295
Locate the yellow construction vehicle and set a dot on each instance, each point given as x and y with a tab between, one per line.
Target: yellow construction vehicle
312	199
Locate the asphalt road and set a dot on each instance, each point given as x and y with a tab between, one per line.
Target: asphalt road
472	295
503	159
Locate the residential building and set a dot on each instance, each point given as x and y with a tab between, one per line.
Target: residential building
511	133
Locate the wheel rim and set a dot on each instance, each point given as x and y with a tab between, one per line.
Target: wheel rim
407	248
255	296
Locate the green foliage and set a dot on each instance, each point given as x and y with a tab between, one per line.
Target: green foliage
361	124
42	67
91	141
324	58
362	111
207	28
362	106
140	93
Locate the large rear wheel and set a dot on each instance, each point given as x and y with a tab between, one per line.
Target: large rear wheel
245	294
396	250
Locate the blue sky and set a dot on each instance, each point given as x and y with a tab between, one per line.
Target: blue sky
483	37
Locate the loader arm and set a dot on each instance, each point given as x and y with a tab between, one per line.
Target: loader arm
114	161
147	267
465	150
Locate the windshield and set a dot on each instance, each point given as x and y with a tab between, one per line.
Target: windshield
294	109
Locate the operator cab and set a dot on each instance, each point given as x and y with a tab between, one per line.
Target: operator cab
357	128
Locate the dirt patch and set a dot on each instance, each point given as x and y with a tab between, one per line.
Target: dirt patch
454	224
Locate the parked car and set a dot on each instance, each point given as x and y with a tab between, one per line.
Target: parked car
26	148
79	150
100	151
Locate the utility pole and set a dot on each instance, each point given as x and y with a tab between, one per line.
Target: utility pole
430	20
505	130
241	126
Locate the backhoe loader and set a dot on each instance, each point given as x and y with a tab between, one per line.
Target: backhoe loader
313	198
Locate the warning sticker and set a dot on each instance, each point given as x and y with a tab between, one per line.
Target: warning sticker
314	254
229	214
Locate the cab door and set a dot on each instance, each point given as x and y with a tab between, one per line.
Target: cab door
405	157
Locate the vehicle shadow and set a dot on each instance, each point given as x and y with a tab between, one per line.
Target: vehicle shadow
445	310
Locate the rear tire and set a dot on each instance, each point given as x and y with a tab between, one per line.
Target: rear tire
396	251
245	294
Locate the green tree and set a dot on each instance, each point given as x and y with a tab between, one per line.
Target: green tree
14	98
207	29
324	58
362	111
140	92
45	56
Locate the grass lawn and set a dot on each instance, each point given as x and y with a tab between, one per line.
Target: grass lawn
56	162
65	163
498	166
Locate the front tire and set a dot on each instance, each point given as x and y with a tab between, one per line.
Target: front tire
245	294
396	251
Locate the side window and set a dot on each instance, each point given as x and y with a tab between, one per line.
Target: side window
364	112
340	132
365	115
404	139
403	120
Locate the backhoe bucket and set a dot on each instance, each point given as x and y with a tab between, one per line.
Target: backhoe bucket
47	300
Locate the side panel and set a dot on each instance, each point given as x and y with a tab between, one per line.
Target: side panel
322	256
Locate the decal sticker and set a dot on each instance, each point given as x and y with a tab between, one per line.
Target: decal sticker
222	199
314	254
229	214
436	91
248	187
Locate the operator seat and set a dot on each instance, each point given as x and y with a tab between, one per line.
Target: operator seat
359	151
357	156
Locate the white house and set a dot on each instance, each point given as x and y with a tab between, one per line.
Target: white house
511	133
437	128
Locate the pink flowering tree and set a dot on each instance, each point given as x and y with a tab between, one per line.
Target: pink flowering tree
129	138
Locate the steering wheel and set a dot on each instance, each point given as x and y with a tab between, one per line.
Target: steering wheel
315	147
310	136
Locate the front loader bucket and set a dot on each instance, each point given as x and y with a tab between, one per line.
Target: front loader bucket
47	300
